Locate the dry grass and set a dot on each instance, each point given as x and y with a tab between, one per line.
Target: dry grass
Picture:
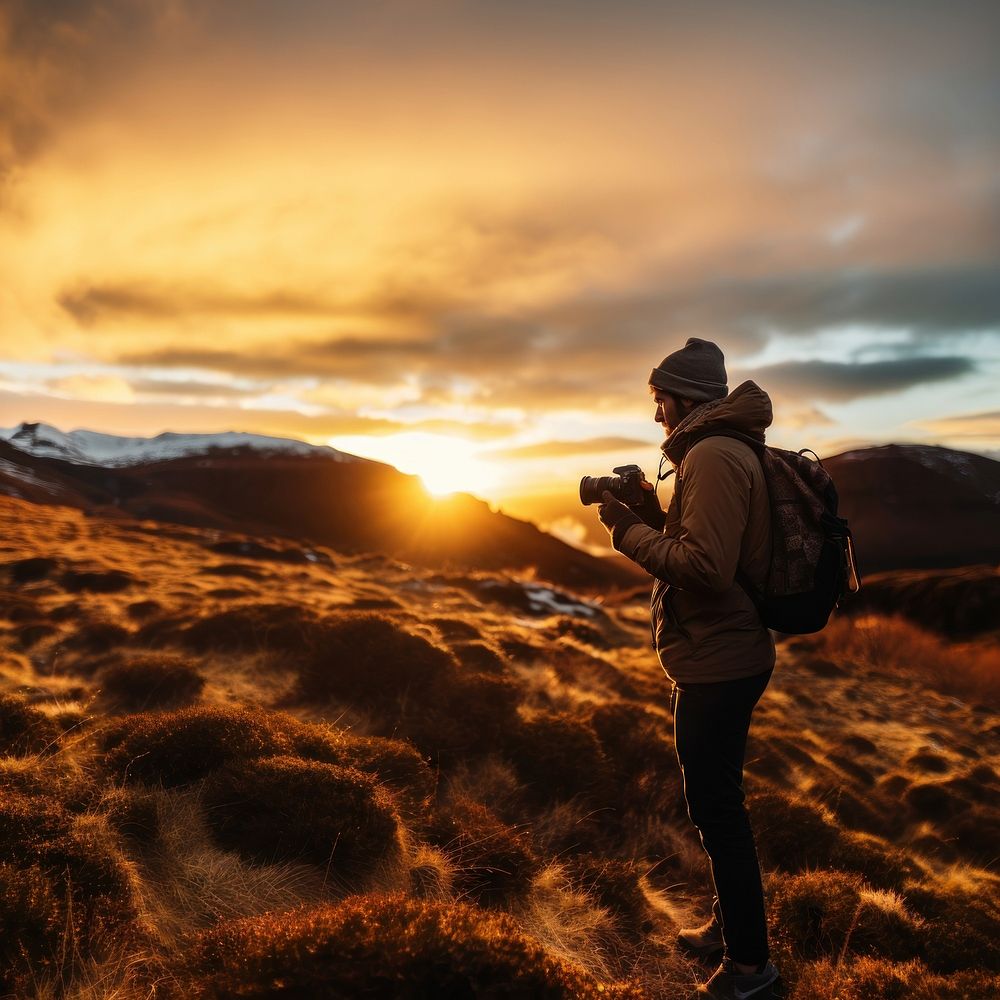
454	798
899	648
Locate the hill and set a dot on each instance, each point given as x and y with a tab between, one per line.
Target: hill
231	761
919	506
315	496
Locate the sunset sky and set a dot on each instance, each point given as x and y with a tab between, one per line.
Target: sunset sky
427	229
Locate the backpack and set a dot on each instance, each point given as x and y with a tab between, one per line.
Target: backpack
812	551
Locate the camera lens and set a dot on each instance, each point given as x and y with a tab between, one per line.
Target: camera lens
591	488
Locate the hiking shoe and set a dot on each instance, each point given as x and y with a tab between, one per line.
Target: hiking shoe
703	943
728	984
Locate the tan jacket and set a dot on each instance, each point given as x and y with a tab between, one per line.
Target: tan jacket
704	625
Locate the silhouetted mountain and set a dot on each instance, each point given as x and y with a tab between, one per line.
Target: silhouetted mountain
919	506
353	506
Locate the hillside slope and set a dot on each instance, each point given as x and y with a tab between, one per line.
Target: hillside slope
229	761
354	506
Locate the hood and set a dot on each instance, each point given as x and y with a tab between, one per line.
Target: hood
746	409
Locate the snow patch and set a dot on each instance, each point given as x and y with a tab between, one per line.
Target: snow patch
83	447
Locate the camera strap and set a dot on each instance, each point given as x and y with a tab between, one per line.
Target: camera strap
661	475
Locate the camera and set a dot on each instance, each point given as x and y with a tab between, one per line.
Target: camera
623	485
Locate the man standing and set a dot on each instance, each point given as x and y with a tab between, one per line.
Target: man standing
706	553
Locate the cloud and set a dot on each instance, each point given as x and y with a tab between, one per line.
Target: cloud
843	381
985	424
560	449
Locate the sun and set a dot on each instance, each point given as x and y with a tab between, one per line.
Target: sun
444	464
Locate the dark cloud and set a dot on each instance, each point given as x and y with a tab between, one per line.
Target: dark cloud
929	301
166	387
558	449
843	381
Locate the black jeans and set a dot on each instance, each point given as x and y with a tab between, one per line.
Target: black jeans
711	722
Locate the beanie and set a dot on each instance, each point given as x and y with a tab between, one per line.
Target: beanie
697	371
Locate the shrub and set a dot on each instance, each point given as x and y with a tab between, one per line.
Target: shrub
287	808
559	757
23	728
492	861
369	660
386	948
152	680
827	913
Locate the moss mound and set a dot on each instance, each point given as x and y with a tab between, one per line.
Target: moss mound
23	728
386	948
287	808
176	748
154	680
179	747
371	661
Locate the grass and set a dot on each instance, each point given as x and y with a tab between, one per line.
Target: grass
898	647
455	801
385	948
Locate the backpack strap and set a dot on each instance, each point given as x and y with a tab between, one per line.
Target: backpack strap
758	449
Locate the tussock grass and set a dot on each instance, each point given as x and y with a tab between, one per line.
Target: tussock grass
558	756
285	808
832	913
387	948
151	680
24	729
492	861
898	647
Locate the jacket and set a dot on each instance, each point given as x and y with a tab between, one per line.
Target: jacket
704	626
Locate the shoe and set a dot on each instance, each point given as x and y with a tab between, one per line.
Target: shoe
728	984
703	943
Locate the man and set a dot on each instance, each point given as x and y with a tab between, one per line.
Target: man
711	545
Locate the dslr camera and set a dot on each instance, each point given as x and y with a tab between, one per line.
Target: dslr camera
623	485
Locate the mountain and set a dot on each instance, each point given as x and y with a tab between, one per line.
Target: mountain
919	506
111	450
315	495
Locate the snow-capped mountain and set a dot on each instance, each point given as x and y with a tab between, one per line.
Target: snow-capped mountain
84	447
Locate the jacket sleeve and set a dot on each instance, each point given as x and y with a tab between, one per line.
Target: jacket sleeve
703	552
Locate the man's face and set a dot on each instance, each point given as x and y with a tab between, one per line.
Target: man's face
669	410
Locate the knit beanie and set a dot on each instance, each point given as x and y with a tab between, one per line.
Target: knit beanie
697	371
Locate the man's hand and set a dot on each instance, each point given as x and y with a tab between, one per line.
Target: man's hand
649	508
616	517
